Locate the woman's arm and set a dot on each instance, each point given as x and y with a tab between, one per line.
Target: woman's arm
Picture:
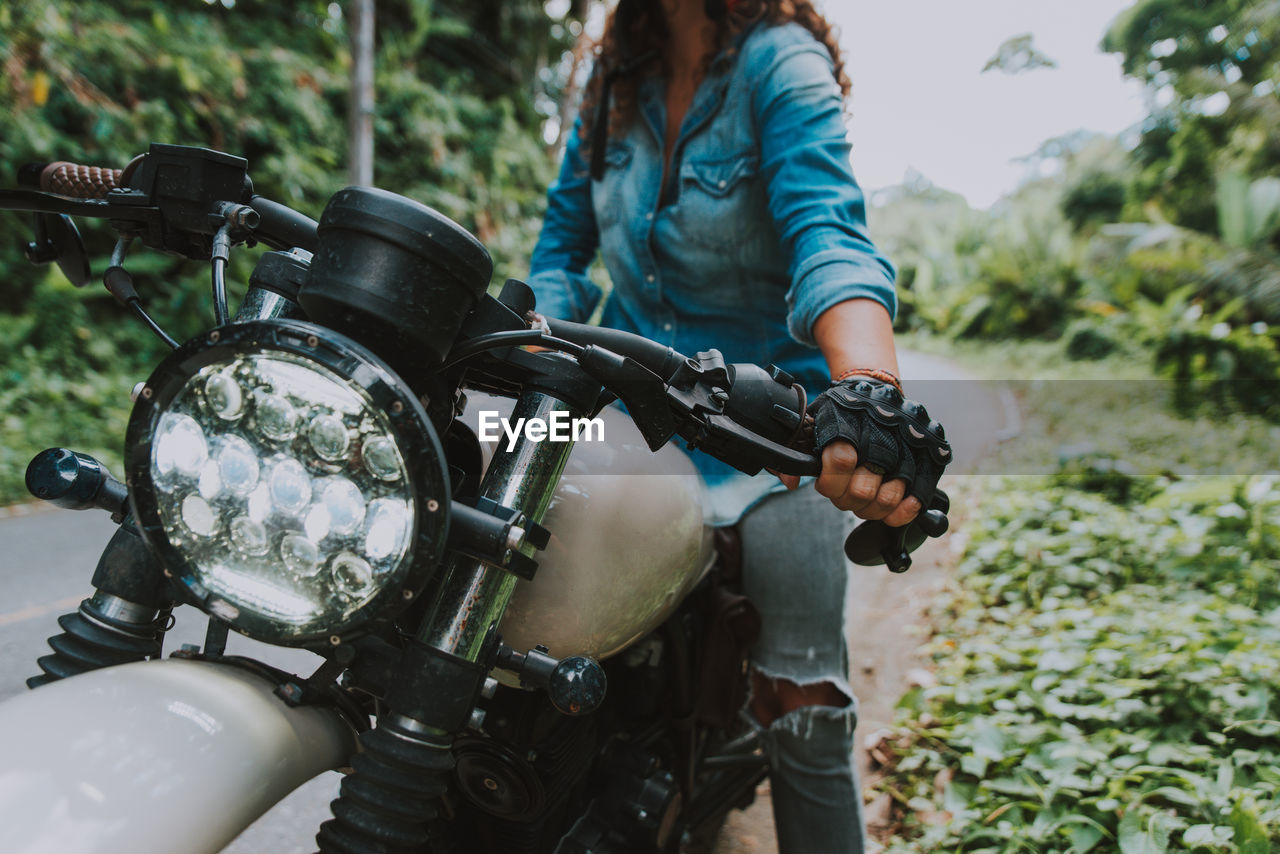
568	241
815	201
841	295
858	333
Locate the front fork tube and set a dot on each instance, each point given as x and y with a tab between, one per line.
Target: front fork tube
393	800
125	619
475	595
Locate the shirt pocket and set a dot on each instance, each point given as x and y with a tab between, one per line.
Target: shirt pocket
609	193
720	203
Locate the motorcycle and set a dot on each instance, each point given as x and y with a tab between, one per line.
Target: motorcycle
309	473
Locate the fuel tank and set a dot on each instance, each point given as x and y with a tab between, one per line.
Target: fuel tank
627	541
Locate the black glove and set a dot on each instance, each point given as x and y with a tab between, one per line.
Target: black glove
893	437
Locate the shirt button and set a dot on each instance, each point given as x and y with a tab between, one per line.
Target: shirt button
649	216
666	327
649	278
723	184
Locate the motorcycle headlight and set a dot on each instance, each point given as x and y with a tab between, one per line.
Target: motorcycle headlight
289	481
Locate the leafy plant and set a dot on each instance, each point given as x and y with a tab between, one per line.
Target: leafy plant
1096	197
458	127
1213	361
1106	677
1248	211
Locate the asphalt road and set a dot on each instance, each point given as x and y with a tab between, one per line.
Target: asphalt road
47	557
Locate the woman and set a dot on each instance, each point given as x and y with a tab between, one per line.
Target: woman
710	166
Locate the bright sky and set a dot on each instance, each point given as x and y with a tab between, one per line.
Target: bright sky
920	100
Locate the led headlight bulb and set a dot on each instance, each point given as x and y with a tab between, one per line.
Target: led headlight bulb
275	481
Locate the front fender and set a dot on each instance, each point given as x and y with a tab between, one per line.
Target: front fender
155	757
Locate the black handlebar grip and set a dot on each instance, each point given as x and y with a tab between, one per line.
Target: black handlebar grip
933	522
79	181
873	542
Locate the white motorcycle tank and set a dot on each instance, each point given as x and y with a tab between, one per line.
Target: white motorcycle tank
628	541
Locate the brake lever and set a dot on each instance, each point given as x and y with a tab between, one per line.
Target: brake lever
874	543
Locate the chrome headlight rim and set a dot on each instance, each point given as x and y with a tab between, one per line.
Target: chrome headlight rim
427	480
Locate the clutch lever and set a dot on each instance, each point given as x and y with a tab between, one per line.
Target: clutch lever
746	450
661	405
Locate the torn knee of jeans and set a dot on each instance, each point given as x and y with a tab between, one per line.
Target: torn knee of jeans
782	702
810	730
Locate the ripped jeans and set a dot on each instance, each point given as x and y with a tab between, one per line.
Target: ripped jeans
794	571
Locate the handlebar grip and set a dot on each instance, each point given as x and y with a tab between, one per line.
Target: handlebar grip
79	181
873	543
933	522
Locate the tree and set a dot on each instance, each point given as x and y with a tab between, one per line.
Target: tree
1016	55
1175	42
458	126
1213	67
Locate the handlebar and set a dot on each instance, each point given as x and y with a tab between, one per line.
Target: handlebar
173	198
176	198
758	418
281	227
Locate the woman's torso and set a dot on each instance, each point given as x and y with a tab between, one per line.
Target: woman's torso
700	265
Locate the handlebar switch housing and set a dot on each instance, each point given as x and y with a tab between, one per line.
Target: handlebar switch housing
740	414
186	183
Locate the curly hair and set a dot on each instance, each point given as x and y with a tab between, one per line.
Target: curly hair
646	30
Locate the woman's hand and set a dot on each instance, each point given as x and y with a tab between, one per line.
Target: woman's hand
859	489
903	451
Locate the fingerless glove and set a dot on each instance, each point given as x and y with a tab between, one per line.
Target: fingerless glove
893	436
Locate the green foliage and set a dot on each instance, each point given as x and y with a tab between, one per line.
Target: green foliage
460	100
1088	340
1027	287
1010	273
1111	235
1167	42
1017	54
1097	197
1106	676
1214	63
1213	361
1248	211
1176	160
1106	668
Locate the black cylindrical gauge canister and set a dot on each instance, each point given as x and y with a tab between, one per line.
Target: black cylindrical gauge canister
395	275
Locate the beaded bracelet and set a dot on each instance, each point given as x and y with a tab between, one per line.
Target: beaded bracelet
875	374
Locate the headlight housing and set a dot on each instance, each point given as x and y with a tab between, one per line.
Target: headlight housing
289	481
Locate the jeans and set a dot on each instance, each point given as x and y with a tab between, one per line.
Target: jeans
795	572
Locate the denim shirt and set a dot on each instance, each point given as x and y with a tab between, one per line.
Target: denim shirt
761	229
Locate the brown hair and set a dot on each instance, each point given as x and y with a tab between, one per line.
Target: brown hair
647	31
